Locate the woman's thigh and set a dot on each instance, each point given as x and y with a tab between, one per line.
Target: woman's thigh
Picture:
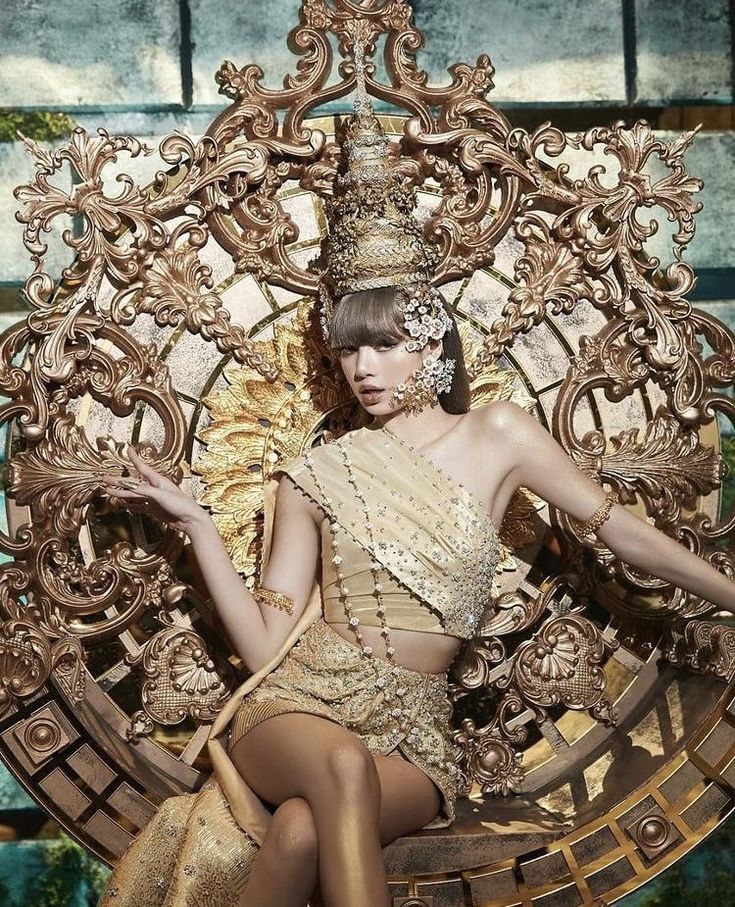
409	799
295	754
301	755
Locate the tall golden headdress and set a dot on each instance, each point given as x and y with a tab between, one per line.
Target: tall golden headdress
374	240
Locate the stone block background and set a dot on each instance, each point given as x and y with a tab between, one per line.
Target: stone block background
683	51
146	67
91	54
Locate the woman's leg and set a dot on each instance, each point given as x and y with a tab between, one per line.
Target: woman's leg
285	869
409	799
300	755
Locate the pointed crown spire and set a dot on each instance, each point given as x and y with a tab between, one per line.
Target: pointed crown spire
374	241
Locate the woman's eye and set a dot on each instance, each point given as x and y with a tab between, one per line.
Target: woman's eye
349	350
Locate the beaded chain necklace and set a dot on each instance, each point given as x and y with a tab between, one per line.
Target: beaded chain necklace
375	568
394	697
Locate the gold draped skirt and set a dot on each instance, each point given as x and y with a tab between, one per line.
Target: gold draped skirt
193	853
392	709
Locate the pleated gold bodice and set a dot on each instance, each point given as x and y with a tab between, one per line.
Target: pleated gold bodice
403	611
436	547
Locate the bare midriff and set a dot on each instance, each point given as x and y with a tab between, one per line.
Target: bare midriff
430	653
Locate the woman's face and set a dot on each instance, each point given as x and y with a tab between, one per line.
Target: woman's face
373	372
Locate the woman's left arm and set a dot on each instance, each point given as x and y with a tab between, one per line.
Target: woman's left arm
541	464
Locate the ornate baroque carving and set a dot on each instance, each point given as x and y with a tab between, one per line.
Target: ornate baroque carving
93	594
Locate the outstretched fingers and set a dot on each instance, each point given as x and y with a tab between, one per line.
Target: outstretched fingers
146	471
162	499
126	489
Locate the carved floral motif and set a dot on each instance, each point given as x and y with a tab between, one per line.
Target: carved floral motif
140	254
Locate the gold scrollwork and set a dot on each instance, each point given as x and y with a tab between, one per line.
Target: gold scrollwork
180	681
142	269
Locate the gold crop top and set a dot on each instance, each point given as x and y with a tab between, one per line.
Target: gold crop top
403	611
436	547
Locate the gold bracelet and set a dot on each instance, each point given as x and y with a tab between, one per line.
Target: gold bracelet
599	516
278	600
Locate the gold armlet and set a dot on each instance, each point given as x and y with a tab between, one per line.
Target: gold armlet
599	516
278	600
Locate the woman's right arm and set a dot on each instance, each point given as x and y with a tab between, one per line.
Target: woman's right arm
255	634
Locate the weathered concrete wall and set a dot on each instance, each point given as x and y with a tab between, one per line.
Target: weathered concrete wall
146	67
154	53
683	51
585	66
96	53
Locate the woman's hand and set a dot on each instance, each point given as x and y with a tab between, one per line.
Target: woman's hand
153	494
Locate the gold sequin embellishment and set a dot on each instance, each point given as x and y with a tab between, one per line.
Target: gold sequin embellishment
387	706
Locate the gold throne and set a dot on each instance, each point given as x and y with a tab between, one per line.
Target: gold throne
184	326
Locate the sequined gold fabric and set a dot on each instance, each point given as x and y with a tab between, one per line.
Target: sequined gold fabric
403	610
389	707
190	854
438	545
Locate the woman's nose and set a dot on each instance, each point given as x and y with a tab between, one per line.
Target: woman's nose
364	364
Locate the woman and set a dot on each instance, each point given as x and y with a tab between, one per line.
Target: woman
339	786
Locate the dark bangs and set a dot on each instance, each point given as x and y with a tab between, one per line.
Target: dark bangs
368	318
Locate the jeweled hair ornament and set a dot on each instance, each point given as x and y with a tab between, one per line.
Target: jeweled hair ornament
422	389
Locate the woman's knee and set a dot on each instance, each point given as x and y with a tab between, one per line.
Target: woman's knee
351	768
292	832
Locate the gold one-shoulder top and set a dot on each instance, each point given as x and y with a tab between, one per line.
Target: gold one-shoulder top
437	548
403	611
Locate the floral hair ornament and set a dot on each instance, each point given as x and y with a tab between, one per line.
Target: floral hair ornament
374	241
425	316
422	389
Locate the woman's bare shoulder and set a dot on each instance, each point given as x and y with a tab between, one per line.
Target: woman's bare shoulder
291	498
500	427
500	418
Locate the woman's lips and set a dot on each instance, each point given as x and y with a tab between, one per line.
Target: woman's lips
371	396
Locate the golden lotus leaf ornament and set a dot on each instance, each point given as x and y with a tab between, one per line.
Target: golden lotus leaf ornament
186	325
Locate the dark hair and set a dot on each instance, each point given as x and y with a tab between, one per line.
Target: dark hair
372	317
